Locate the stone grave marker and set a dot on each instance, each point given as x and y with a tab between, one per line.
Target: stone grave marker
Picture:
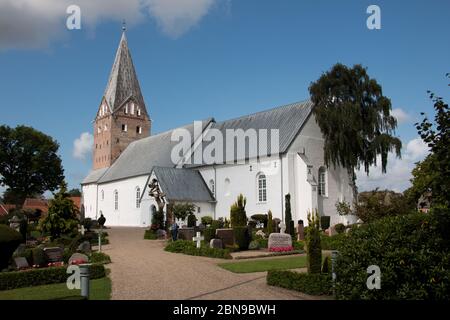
280	241
226	235
84	247
54	254
216	244
198	239
186	233
78	258
300	230
21	263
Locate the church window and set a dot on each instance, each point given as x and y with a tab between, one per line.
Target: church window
138	112
227	187
126	109
322	182
138	197
138	129
132	108
212	187
262	188
124	128
99	130
116	200
103	195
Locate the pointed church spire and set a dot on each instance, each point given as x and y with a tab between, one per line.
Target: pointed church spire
123	83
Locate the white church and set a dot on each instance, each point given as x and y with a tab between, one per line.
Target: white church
127	157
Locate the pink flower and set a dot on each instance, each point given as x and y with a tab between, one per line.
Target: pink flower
281	249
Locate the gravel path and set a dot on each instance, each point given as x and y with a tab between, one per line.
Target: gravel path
141	269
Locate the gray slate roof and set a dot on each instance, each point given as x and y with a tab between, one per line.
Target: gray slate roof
94	175
123	82
142	155
182	185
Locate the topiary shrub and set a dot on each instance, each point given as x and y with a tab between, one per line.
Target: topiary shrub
313	246
238	215
340	228
325	222
192	220
217	224
261	218
209	233
411	252
206	220
242	237
9	241
269	223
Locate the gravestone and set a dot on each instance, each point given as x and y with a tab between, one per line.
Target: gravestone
300	230
279	240
216	244
21	263
198	239
226	235
161	234
54	254
78	258
84	247
20	250
186	233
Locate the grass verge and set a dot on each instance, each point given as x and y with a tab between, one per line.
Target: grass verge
265	265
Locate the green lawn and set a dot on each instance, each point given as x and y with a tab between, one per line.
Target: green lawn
265	264
100	290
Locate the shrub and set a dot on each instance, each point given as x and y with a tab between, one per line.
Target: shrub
261	218
252	224
314	284
411	251
263	243
87	223
206	220
9	241
331	242
298	245
150	235
192	220
39	258
326	266
237	212
288	215
209	233
254	245
158	219
340	228
314	250
269	223
325	222
37	277
217	224
242	237
99	257
189	247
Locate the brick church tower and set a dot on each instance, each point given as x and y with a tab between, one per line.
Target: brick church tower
122	116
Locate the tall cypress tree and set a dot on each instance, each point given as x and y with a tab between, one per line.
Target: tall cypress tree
288	215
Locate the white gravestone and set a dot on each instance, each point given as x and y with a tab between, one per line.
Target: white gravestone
280	240
198	239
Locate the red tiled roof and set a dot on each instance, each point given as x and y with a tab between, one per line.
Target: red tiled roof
76	201
36	204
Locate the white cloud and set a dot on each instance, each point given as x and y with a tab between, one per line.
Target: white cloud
34	24
176	17
398	173
82	146
401	115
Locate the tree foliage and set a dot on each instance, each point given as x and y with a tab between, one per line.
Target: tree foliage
313	245
182	210
29	163
62	215
354	117
238	215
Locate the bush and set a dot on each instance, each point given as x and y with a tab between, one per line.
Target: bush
254	245
411	251
37	277
326	266
192	220
269	223
340	228
100	258
237	212
261	218
298	245
263	243
217	224
206	220
331	242
242	237
9	241
314	249
314	284
189	247
150	235
209	233
39	258
325	222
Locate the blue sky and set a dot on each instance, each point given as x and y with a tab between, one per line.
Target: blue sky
220	58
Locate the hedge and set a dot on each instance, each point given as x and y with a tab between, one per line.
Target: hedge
189	247
37	277
9	241
100	258
332	242
209	233
314	284
150	235
411	252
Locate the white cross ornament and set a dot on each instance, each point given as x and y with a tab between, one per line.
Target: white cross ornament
198	239
282	227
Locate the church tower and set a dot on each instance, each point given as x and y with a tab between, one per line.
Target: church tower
122	116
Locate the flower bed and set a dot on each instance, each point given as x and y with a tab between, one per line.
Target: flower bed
281	249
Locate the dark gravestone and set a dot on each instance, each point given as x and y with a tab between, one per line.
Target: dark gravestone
161	234
226	235
21	263
78	258
54	254
84	247
276	223
186	233
300	230
216	244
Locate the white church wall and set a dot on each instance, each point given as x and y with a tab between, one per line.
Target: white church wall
89	200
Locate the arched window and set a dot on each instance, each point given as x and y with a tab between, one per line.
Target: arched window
262	188
322	181
212	187
138	197
227	187
116	200
103	195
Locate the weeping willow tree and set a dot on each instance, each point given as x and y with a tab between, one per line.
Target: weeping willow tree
355	119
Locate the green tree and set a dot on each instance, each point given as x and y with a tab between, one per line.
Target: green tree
288	215
313	245
433	174
238	215
354	117
269	223
62	215
182	210
29	163
75	192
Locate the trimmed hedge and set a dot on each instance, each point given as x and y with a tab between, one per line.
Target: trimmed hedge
412	252
332	242
242	237
189	247
314	284
37	277
9	241
209	233
99	257
150	235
